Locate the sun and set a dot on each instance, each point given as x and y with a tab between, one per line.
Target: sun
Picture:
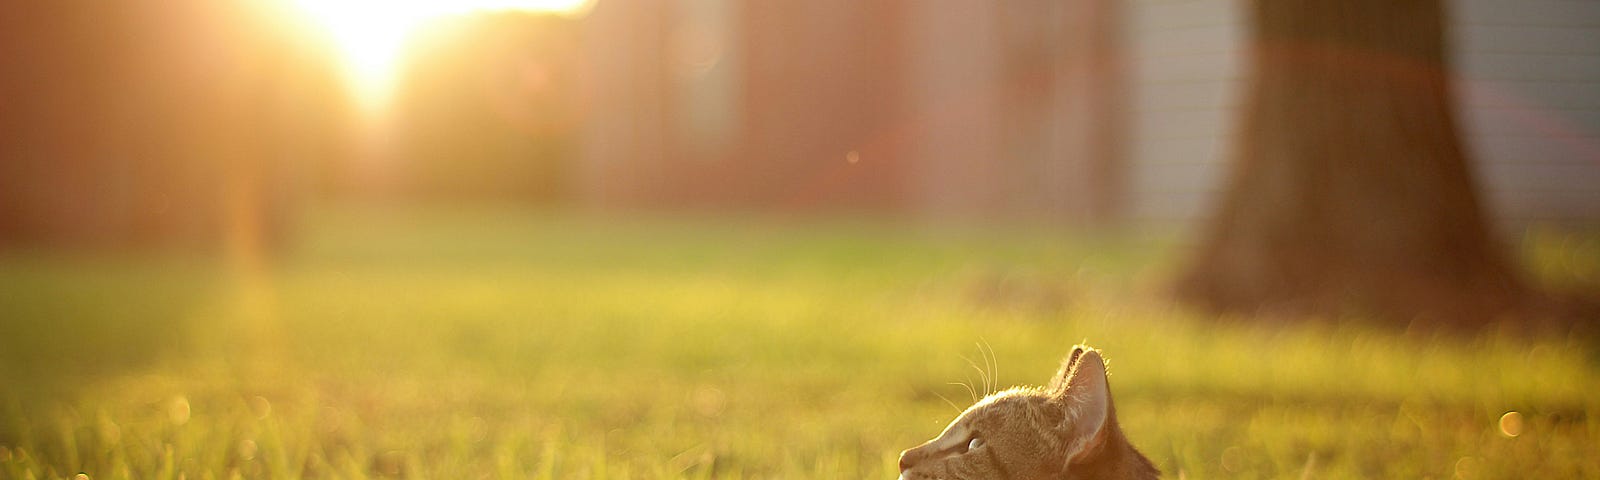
370	35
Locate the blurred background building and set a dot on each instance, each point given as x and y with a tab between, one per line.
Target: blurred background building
189	124
199	121
1527	85
1066	111
962	109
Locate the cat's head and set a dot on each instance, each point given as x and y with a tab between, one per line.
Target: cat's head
1066	430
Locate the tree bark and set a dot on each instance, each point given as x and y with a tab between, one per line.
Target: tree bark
1349	190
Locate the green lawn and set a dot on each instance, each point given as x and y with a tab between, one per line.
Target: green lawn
488	344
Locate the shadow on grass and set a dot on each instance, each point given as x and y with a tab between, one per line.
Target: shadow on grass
72	320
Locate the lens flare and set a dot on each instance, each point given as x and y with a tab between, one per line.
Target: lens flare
370	36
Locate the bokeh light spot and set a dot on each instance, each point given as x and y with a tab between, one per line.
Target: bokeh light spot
708	401
260	407
1511	424
247	449
1468	467
1233	459
178	410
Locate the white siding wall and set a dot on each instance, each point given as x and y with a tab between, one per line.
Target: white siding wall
1529	90
1186	66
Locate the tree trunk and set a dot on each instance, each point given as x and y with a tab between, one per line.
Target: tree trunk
1349	191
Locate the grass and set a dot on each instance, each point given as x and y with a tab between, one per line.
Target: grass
494	344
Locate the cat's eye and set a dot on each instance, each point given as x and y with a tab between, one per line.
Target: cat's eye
974	443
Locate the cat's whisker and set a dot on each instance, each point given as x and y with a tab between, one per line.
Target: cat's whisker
985	377
992	361
987	388
970	391
952	404
996	372
982	375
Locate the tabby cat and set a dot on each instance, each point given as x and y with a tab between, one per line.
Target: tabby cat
1065	431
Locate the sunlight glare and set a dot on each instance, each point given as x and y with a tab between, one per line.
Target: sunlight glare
370	35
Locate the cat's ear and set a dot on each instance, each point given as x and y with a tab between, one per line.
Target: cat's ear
1059	382
1086	398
